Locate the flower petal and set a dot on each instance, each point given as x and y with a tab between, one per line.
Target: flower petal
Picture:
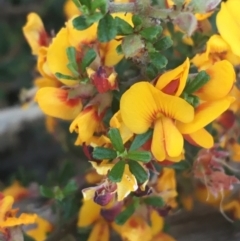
78	38
5	206
86	123
205	114
222	76
40	232
22	219
57	59
228	23
201	138
167	140
173	81
35	33
88	214
142	104
54	102
157	222
128	184
100	232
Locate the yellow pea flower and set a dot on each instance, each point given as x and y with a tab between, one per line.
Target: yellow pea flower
56	103
40	232
144	106
89	214
214	99
228	21
7	214
35	33
70	9
216	50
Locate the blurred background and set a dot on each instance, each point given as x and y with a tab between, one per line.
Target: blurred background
27	150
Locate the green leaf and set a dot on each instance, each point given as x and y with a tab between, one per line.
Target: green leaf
141	156
58	193
181	166
200	80
101	153
158	60
141	139
73	67
116	139
191	99
137	20
127	213
95	17
64	76
151	33
116	173
119	49
138	171
123	27
87	3
70	188
99	4
132	45
46	192
151	71
81	22
77	3
154	201
164	43
88	58
107	29
71	54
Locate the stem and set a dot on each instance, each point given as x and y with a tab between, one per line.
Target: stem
121	7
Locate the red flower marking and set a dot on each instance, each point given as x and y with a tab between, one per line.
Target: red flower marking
172	87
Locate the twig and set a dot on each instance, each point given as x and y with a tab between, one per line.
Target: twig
121	7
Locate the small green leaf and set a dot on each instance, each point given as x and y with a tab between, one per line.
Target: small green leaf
46	192
126	214
137	20
158	60
141	156
88	58
141	139
151	33
138	171
200	80
116	173
151	71
77	3
71	54
81	22
70	188
132	45
87	3
164	43
64	76
107	29
99	4
73	67
191	99
154	201
123	27
101	153
119	49
116	139
58	193
95	17
181	166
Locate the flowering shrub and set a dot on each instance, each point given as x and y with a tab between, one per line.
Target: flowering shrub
150	89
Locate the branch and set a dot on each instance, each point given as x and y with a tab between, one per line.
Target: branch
121	7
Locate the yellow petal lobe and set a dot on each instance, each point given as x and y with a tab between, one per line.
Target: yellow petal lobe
205	114
54	102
